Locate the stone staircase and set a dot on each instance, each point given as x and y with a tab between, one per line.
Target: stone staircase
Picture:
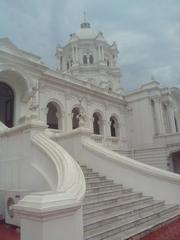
113	212
156	157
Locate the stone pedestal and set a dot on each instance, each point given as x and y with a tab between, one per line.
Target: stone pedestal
47	216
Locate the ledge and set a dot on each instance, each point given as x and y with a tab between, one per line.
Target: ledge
78	131
126	162
30	125
46	205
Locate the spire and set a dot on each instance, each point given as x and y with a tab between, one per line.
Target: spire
84	16
85	24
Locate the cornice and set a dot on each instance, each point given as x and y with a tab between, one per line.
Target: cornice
31	66
83	89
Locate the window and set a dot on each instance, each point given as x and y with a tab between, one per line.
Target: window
54	116
97	123
91	59
84	59
75	117
114	126
67	65
6	104
176	124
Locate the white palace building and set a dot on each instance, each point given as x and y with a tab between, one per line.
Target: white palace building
54	121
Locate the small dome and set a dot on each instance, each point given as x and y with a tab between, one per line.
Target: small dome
86	32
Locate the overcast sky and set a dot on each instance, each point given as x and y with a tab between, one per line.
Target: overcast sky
147	32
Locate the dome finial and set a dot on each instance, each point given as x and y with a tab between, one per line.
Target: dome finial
84	16
85	24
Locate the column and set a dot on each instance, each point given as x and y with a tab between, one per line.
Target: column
45	216
159	115
99	53
171	116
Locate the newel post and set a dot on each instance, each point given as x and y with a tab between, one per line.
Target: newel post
47	216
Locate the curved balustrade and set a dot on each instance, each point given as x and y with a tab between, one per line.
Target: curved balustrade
150	180
70	179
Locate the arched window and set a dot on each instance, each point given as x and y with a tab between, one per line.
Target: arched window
6	104
84	59
75	118
54	116
176	124
97	123
67	65
91	59
114	127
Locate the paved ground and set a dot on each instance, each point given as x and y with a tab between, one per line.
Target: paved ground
8	233
169	232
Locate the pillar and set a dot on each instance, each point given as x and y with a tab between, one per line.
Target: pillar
46	216
159	115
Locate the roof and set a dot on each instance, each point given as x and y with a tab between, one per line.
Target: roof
86	33
7	46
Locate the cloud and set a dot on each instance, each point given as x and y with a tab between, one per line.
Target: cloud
147	32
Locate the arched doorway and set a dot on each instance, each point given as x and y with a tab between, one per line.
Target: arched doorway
97	123
6	105
75	117
176	161
114	126
53	115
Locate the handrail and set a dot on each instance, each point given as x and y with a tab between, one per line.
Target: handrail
131	163
70	179
3	127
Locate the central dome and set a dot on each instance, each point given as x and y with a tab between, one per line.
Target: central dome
86	32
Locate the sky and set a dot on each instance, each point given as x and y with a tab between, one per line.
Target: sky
147	32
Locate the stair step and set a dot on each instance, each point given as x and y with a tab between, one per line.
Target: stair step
99	183
91	174
140	231
126	224
92	179
111	212
115	202
107	193
102	188
125	213
128	205
118	197
86	170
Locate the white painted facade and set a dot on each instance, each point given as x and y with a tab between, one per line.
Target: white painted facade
88	78
83	105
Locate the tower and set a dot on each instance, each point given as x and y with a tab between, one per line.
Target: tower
88	56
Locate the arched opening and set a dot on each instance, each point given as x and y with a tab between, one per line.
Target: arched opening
97	123
75	117
53	116
114	127
176	124
6	105
67	65
85	59
91	59
176	161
